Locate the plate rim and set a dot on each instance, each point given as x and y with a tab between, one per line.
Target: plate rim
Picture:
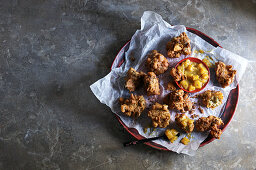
208	139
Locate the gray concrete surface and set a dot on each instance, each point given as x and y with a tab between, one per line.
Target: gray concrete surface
52	50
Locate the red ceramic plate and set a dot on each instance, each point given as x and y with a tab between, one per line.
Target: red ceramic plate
227	111
196	60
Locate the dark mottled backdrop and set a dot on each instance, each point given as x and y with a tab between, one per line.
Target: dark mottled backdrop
52	50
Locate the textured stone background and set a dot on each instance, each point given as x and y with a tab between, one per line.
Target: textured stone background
52	50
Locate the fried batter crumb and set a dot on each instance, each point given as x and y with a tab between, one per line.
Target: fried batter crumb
216	120
156	62
210	123
171	86
176	74
178	45
194	116
160	115
211	98
201	110
224	73
215	132
132	58
133	106
191	111
178	100
152	84
134	79
203	124
184	123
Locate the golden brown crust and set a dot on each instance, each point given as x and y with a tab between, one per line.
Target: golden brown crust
133	106
201	110
180	101
203	124
211	123
193	116
224	73
171	86
187	103
211	98
215	132
216	121
156	62
178	45
134	79
191	112
160	115
184	123
152	84
176	74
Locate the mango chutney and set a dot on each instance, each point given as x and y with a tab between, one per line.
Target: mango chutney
195	75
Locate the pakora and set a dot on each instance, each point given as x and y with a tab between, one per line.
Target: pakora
176	74
224	74
211	123
133	106
134	79
179	45
211	99
184	123
180	101
171	86
151	83
156	62
160	115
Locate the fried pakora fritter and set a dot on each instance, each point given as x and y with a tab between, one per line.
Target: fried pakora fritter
180	101
151	83
224	74
171	86
160	115
211	123
184	123
156	62
134	79
176	74
211	98
133	106
178	45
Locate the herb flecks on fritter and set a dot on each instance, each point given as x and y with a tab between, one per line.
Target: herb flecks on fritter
160	115
156	62
211	123
133	106
176	74
171	86
178	45
134	79
224	74
180	101
151	83
184	123
211	98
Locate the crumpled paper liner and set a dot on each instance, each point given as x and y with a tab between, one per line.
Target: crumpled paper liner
153	35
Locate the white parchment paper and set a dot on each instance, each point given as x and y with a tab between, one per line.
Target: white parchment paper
153	35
